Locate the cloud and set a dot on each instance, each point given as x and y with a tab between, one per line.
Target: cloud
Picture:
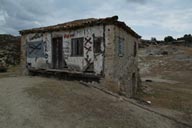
148	18
137	1
16	15
21	14
160	18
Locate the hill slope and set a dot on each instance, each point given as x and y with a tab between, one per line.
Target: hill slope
9	49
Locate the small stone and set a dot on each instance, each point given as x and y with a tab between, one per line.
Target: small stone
149	102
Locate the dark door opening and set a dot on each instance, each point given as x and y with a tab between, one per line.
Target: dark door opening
133	84
57	53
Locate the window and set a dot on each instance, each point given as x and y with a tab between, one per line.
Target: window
120	43
97	44
135	49
35	49
77	47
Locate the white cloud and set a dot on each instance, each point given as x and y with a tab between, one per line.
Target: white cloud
147	17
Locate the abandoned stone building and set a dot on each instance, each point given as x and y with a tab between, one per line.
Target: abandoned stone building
104	48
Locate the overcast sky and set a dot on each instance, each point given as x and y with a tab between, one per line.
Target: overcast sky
149	18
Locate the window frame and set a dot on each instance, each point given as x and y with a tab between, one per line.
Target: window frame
35	49
120	46
97	45
77	44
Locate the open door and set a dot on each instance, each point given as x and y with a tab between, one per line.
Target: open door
57	53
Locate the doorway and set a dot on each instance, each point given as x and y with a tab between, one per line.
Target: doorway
57	53
133	88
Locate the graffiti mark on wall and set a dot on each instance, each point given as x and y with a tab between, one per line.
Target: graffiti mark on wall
88	41
46	55
45	46
88	48
88	60
69	35
66	49
35	49
36	36
89	66
88	44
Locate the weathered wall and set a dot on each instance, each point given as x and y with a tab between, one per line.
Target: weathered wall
125	66
120	69
40	54
23	57
117	60
109	51
42	43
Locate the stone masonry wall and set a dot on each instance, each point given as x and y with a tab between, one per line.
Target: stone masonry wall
120	70
23	57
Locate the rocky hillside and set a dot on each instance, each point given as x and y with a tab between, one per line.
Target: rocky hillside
9	49
166	72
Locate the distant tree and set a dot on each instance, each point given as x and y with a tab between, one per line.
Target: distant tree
187	38
169	39
153	39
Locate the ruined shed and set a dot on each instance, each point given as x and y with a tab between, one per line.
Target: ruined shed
105	48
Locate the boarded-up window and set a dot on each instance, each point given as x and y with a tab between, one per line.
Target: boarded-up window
120	46
77	47
35	49
97	44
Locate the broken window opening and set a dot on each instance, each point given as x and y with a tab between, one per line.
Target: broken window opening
77	47
97	44
120	43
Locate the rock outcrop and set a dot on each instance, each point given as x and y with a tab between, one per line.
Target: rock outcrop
9	49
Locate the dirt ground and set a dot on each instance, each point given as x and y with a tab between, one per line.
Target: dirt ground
169	78
36	102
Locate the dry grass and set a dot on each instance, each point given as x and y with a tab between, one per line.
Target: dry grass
12	71
170	96
175	96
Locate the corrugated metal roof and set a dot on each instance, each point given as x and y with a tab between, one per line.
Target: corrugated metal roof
82	23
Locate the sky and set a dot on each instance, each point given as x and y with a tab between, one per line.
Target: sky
149	18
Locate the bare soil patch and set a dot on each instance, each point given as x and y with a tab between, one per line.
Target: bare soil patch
36	102
171	86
